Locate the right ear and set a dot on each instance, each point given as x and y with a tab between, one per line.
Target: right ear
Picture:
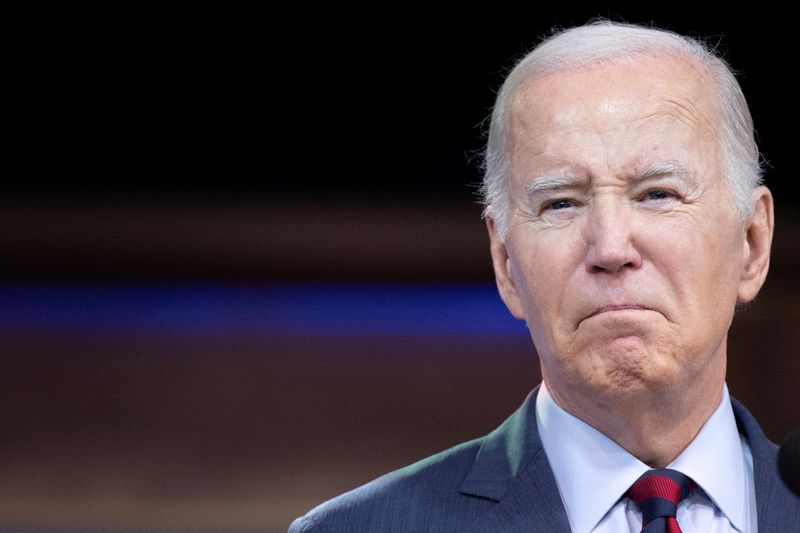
502	270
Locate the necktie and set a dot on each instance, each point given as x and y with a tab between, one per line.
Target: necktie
657	493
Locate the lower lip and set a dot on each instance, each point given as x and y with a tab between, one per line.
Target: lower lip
619	309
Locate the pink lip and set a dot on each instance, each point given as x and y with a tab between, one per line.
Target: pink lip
620	307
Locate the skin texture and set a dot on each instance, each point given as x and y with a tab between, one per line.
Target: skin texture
624	253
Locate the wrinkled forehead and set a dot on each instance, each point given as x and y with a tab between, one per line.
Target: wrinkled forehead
643	91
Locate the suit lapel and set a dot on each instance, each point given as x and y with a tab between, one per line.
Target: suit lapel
778	510
512	469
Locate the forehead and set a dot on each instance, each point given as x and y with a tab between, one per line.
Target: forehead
644	103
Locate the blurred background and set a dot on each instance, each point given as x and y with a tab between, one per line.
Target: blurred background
244	268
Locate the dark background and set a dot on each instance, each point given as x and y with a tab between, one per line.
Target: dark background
317	102
228	237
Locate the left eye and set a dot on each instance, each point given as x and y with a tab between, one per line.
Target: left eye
657	194
561	204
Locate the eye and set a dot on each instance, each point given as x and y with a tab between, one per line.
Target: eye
658	194
561	203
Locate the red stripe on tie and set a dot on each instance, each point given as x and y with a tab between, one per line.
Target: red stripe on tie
672	526
655	486
657	494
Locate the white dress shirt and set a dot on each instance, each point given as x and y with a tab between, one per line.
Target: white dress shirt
593	473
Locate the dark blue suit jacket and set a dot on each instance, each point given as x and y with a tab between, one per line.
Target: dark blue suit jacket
503	482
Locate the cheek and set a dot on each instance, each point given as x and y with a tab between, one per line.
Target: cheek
700	265
723	266
542	275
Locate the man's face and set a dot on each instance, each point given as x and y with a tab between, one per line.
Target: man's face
623	251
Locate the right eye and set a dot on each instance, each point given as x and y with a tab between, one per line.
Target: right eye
561	203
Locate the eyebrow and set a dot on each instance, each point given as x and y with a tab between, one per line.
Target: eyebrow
547	183
663	169
541	184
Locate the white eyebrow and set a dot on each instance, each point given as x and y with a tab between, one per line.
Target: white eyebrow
541	184
663	169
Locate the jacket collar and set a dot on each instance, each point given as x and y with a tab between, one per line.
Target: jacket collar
774	501
512	469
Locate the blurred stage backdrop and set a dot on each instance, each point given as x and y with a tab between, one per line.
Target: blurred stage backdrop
243	263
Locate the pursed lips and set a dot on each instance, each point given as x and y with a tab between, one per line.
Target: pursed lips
617	307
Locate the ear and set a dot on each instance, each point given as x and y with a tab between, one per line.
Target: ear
758	242
502	270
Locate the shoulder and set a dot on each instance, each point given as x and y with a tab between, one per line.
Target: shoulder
449	491
762	448
421	497
778	509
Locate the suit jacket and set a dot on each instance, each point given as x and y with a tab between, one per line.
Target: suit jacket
503	482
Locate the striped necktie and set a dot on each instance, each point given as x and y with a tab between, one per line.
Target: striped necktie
657	493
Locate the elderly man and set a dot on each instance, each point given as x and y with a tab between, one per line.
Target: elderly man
626	220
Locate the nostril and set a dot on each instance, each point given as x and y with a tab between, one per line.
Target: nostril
610	267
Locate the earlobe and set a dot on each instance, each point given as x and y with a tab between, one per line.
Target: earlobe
502	270
757	246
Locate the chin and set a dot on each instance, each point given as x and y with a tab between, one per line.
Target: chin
630	352
627	366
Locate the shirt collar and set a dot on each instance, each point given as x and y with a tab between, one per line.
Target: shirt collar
714	460
592	471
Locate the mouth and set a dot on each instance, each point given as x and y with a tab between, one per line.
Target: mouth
619	307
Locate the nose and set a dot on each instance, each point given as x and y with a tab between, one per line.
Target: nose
610	232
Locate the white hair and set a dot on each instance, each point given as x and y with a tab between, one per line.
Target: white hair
605	41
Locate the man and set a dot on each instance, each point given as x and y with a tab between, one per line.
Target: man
626	220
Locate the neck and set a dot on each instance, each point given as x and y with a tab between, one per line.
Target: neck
653	424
